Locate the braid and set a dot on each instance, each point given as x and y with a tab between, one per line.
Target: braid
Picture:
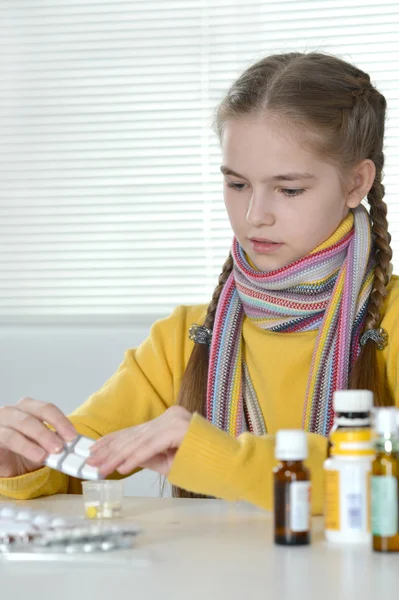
192	393
365	373
382	239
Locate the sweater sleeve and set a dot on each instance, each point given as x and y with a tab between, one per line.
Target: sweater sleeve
144	386
211	462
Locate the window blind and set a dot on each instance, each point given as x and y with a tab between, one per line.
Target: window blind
111	203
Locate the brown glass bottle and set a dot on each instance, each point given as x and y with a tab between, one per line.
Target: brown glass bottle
385	483
291	490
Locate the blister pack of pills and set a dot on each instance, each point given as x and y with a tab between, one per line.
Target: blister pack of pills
26	531
72	459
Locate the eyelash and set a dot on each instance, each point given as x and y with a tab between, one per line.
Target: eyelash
236	189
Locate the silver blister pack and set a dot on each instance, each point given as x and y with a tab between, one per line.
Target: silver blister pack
23	530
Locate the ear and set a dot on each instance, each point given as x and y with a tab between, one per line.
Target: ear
361	181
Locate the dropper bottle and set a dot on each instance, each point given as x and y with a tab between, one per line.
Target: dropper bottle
291	489
385	482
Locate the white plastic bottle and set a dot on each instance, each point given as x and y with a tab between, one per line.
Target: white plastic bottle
347	472
352	409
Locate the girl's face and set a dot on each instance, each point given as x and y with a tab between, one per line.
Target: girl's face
282	201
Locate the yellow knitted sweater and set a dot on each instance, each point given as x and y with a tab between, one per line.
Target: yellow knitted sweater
209	461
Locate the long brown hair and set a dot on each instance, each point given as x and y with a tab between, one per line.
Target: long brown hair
332	108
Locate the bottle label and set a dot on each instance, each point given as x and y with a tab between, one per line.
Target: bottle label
384	505
332	516
347	499
355	498
300	506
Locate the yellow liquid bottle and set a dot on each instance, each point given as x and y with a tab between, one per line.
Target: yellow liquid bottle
385	482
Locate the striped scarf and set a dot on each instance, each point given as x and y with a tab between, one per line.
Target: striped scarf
327	290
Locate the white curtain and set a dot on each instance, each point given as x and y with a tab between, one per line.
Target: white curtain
111	202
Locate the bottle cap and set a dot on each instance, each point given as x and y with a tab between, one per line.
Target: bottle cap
386	420
291	444
353	401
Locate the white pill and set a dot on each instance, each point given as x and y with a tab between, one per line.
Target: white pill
77	532
53	460
93	530
24	515
72	464
89	472
41	520
83	446
13	528
59	522
58	535
7	512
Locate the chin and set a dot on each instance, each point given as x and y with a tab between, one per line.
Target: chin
267	263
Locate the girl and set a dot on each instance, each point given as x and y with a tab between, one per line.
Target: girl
305	305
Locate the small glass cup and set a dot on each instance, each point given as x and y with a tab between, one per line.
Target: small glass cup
102	499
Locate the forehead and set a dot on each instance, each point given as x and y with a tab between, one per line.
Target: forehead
262	148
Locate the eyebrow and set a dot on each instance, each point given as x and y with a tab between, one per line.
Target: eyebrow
285	177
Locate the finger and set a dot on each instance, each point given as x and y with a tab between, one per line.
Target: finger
111	445
16	442
142	456
117	454
111	455
159	422
99	457
138	449
51	414
32	428
103	442
130	464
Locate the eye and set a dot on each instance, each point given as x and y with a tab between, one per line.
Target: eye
238	187
296	192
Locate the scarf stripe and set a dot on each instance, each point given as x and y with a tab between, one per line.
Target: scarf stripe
328	290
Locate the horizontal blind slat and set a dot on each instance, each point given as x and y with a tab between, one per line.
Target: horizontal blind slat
111	198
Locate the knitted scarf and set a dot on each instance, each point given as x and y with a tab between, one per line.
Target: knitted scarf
327	290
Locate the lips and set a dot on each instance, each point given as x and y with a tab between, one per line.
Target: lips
264	246
263	241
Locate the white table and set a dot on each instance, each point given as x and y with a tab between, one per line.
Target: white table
204	549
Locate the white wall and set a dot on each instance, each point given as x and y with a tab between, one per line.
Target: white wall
64	365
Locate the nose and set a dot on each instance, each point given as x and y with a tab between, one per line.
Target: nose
259	211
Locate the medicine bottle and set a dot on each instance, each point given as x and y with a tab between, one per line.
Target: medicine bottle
352	409
385	482
291	489
346	477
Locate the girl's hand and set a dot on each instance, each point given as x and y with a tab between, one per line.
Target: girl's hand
152	445
25	441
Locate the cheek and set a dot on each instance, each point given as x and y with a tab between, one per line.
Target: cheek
315	225
236	210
